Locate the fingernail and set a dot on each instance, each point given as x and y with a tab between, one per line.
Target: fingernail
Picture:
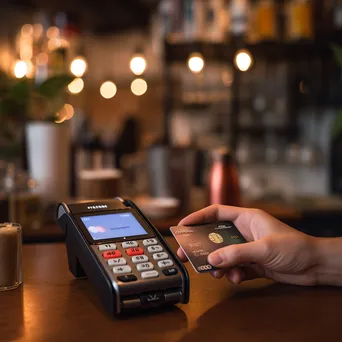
230	278
215	259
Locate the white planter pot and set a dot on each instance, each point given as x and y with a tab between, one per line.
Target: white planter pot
48	151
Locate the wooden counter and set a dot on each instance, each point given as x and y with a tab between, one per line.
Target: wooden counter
51	306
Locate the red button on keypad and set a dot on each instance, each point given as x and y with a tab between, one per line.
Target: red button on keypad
112	254
134	251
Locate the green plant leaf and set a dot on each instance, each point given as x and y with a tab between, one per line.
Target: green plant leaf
20	92
8	107
53	86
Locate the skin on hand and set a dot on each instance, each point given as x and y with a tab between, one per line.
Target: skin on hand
274	250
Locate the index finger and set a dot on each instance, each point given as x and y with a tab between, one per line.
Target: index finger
211	214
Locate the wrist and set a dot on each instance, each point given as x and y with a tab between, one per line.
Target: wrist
328	261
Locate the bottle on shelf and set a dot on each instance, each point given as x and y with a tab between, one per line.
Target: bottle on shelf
171	12
194	19
300	20
265	21
239	18
223	181
215	20
165	12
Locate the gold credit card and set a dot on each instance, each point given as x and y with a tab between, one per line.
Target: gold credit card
198	241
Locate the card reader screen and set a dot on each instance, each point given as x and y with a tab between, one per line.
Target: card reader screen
112	226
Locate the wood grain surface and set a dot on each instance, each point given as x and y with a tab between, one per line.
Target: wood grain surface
52	306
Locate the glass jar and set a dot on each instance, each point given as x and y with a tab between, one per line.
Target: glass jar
10	256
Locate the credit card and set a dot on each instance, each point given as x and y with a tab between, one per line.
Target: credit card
198	241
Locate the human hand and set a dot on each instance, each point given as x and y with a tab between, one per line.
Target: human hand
274	250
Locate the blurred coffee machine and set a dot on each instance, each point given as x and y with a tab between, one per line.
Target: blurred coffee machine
171	172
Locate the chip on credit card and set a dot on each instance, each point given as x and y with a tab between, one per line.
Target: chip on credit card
198	241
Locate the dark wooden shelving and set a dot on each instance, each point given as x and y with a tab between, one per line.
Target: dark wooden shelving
288	131
302	57
255	130
225	52
179	52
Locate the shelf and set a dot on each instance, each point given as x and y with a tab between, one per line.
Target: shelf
179	52
225	52
262	130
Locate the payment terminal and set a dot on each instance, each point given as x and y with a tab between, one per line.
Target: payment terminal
129	263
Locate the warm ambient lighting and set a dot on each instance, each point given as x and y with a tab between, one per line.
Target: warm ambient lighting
78	66
70	111
54	44
20	69
196	62
66	113
52	32
138	64
243	60
26	52
42	58
37	31
139	87
30	69
61	116
27	30
108	90
76	86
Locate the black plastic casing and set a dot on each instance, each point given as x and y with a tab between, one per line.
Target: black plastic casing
84	261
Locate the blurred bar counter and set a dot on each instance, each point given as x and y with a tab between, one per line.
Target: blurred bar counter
317	216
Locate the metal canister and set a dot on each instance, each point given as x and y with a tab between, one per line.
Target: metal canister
223	182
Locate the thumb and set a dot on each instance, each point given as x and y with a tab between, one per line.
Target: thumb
234	255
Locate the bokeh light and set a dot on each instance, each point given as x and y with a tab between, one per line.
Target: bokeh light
138	64
42	58
76	86
243	60
30	69
70	111
52	32
78	66
61	116
37	31
196	62
108	89
26	30
139	87
20	69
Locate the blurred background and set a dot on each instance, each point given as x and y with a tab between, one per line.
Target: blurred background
176	104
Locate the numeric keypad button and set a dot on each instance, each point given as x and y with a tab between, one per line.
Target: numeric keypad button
134	251
129	244
165	263
160	256
122	269
117	262
150	242
146	266
139	258
112	254
108	247
149	274
155	249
